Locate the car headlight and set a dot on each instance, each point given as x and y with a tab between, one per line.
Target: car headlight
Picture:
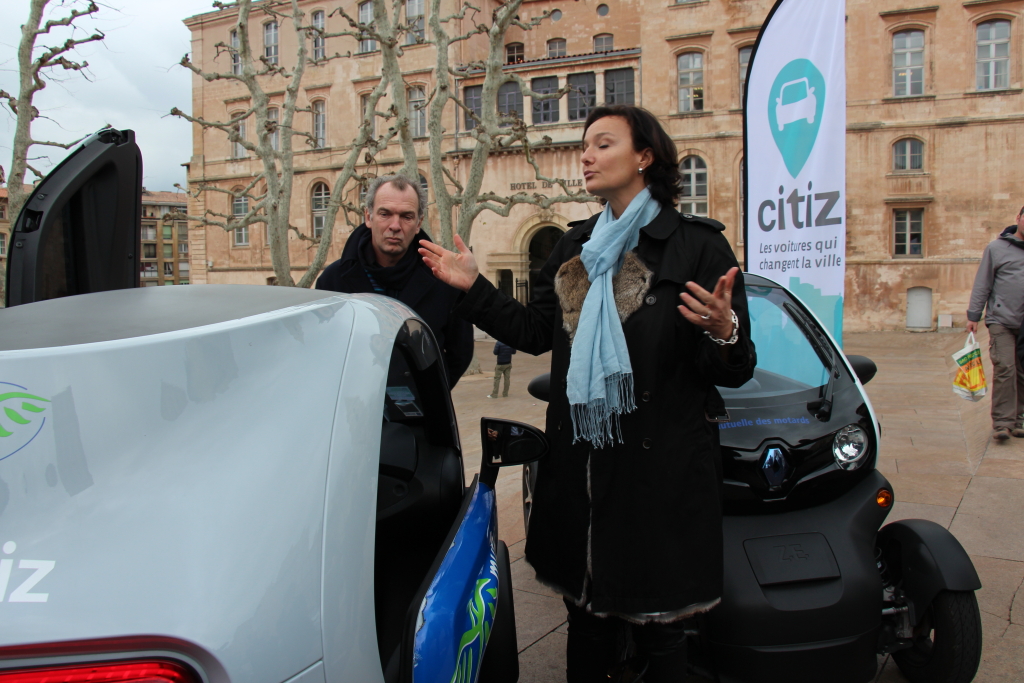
850	446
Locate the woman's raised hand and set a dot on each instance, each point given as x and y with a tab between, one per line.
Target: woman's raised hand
711	311
458	270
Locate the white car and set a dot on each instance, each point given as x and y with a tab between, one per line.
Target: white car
803	108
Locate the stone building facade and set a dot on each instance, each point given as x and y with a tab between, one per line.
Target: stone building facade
934	106
165	241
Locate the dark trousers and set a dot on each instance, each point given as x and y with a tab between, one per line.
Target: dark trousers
595	645
1007	384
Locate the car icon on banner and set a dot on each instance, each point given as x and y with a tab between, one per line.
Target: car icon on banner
802	108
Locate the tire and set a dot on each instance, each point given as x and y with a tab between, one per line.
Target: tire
529	486
947	641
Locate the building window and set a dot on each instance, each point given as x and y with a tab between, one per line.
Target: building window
695	186
147	268
366	18
169	268
618	86
556	48
417	112
3	212
545	111
472	97
908	155
167	232
273	117
318	205
182	248
319	44
182	230
602	10
510	102
744	67
149	232
319	124
908	63
167	251
414	17
690	66
907	230
993	67
367	113
3	244
604	43
270	41
236	57
239	208
514	53
237	148
583	96
183	268
148	251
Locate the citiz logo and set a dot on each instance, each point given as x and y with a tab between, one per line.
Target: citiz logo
21	592
770	214
788	553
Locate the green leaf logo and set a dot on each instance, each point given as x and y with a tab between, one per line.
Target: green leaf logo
21	419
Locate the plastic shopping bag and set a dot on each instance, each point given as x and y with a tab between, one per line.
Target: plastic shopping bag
969	382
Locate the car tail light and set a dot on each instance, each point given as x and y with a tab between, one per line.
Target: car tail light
150	671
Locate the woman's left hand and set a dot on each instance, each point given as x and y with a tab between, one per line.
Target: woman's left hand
711	311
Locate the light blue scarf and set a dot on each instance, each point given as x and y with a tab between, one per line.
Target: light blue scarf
600	381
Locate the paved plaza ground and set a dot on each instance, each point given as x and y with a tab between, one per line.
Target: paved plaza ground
936	451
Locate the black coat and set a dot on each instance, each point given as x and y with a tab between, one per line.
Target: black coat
432	300
650	507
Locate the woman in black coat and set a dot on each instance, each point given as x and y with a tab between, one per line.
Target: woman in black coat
626	520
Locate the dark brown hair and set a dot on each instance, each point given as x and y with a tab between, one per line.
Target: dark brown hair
662	176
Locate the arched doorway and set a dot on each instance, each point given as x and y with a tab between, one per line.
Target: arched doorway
541	245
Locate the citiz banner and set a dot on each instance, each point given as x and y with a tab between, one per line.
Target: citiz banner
795	154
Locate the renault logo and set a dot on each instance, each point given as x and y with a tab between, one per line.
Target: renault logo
775	468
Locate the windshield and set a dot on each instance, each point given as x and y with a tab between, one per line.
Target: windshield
786	360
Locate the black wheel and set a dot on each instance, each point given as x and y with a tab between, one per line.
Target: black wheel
947	641
529	484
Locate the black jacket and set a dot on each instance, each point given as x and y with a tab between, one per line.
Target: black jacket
504	353
432	300
650	508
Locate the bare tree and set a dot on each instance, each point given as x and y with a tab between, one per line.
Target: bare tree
269	193
36	65
495	131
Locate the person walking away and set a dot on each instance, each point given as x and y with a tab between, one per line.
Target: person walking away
502	368
377	259
999	291
645	313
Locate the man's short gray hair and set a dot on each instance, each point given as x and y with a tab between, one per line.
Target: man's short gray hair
401	183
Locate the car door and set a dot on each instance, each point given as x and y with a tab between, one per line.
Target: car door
79	230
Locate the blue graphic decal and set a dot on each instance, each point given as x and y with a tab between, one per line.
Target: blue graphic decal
795	106
21	419
457	613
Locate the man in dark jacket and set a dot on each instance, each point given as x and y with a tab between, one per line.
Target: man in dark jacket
999	292
502	368
377	258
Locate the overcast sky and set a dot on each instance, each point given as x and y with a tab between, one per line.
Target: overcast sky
134	80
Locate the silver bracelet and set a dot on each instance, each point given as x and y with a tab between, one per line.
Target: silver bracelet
735	332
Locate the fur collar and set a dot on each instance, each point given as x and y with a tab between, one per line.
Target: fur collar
630	286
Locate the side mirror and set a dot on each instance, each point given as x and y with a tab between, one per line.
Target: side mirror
540	387
864	367
506	442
